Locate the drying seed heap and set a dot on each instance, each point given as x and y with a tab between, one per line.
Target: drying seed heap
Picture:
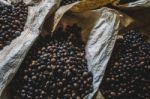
126	1
12	21
65	2
127	74
54	68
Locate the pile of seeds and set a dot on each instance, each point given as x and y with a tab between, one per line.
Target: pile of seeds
12	21
65	2
55	68
127	74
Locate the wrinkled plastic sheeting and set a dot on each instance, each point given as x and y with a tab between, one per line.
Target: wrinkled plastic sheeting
136	4
140	3
12	55
100	45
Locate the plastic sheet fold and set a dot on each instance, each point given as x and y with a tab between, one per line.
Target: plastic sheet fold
12	55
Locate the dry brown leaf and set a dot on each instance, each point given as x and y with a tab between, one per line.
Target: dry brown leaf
98	95
90	4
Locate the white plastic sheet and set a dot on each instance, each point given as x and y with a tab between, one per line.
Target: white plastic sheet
12	55
134	5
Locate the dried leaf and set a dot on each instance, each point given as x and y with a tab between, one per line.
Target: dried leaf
99	95
90	4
